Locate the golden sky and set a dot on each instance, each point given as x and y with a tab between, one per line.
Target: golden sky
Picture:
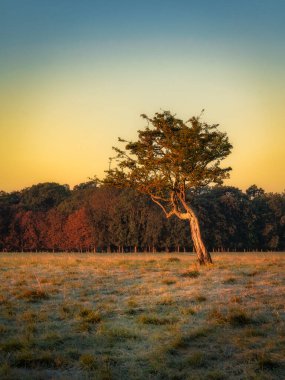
77	76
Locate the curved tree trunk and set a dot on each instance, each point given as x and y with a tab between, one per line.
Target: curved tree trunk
204	256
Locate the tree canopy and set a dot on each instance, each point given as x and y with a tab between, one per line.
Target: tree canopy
169	158
172	155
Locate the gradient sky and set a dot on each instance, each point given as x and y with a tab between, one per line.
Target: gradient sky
75	75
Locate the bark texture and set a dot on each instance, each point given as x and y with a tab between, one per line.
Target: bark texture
181	209
204	256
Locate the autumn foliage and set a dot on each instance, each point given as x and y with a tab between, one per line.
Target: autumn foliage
51	217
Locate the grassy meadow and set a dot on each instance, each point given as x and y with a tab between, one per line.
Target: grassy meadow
160	316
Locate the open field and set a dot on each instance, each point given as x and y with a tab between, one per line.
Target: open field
71	316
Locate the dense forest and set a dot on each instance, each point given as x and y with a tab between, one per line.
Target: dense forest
92	218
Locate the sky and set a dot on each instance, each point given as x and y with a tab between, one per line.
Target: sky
76	75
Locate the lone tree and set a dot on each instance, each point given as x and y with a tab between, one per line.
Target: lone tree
169	158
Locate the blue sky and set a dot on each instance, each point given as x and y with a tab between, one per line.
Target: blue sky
77	74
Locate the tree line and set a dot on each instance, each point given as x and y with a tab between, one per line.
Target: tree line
93	218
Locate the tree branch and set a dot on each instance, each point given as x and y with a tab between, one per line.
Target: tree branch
159	198
167	214
156	199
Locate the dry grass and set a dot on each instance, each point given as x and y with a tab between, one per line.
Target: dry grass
142	317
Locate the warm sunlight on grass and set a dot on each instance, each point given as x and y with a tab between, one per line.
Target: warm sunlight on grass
142	316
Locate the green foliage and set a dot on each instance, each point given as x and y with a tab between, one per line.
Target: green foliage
44	196
106	218
253	192
7	199
169	154
169	158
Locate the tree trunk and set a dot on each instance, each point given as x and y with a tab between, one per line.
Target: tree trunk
204	256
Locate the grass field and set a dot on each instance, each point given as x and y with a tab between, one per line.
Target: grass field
71	316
